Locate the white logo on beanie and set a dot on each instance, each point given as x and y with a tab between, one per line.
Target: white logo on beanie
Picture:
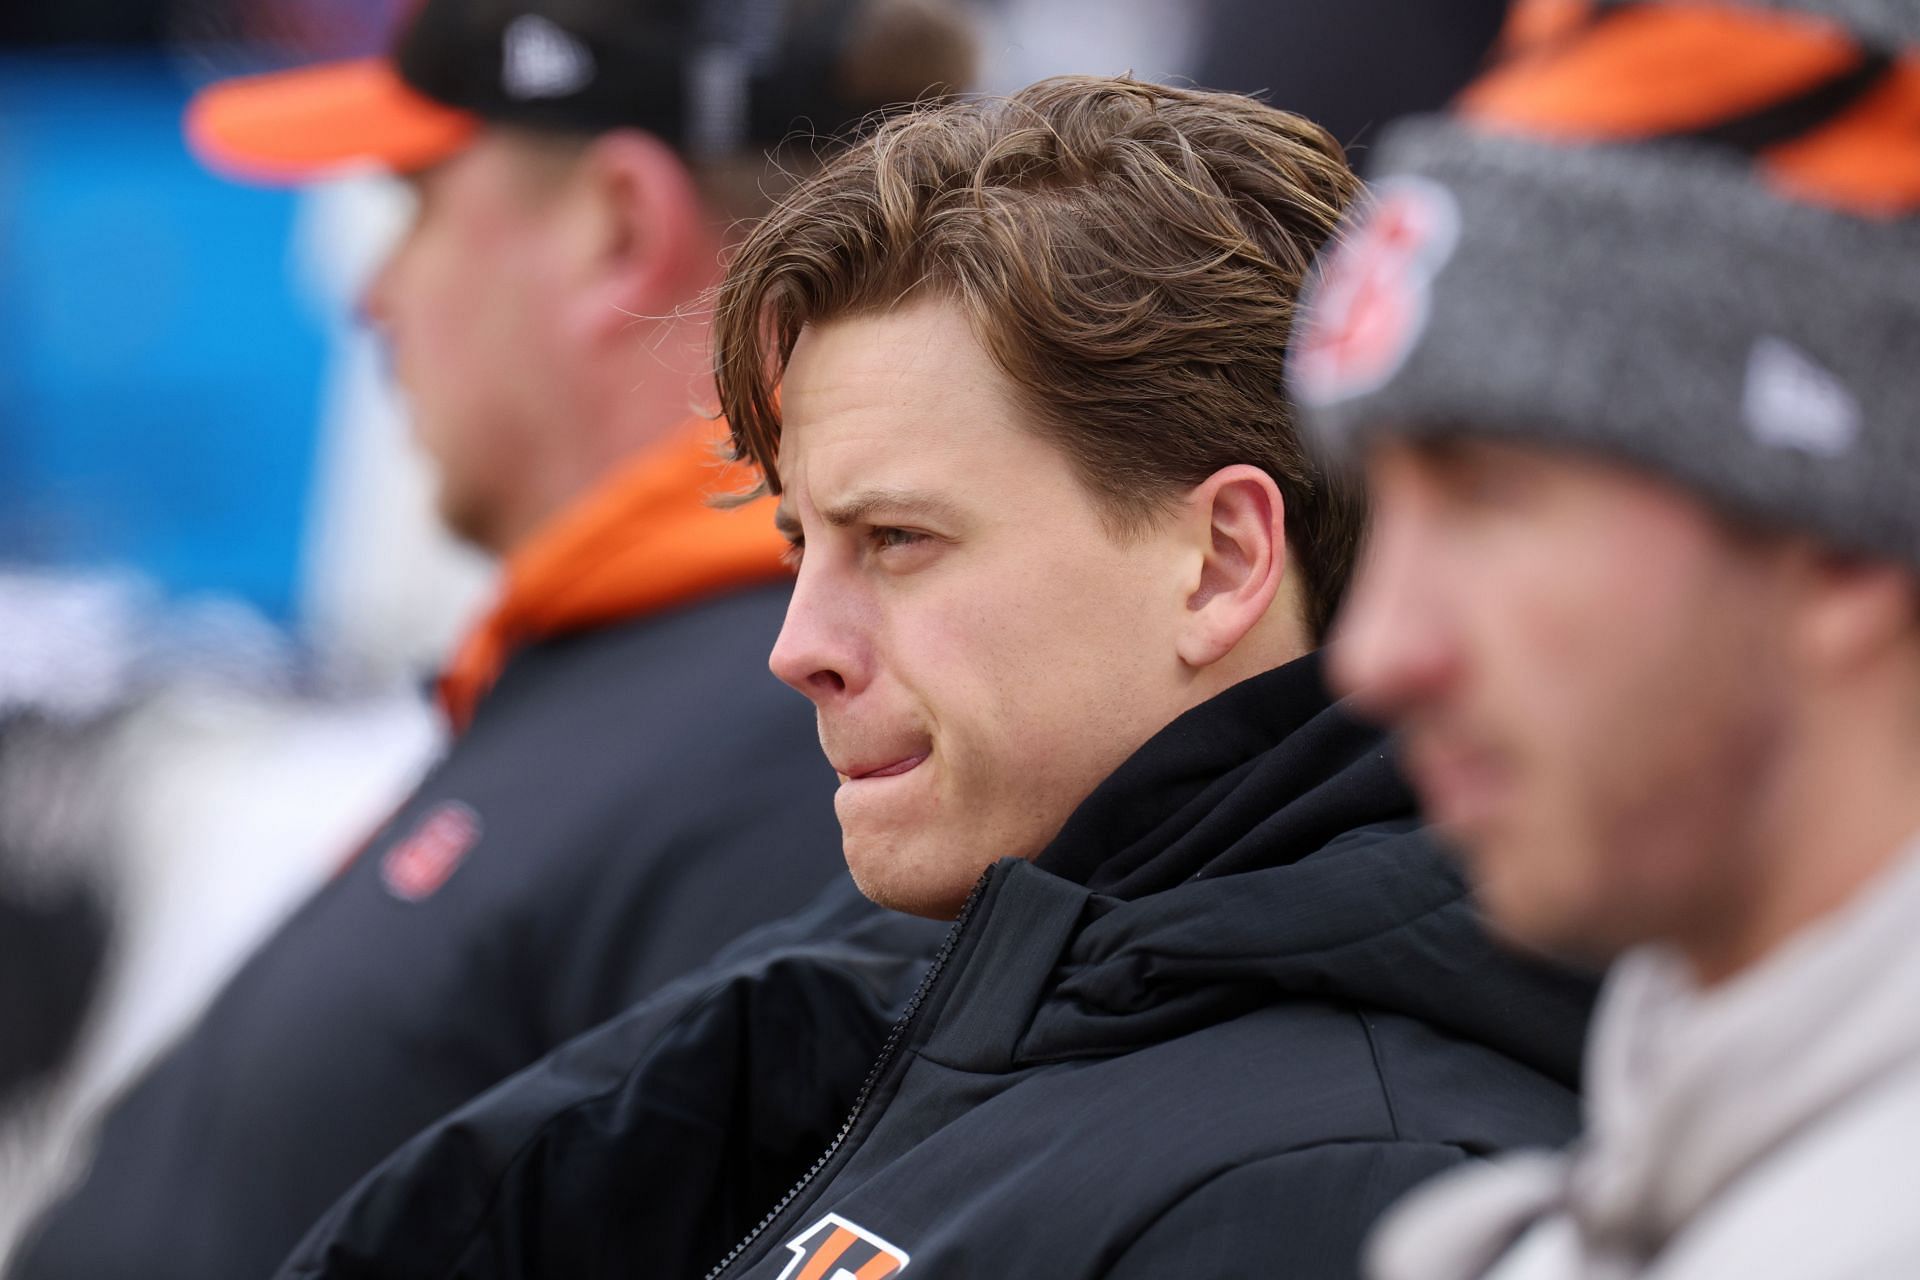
1791	402
540	59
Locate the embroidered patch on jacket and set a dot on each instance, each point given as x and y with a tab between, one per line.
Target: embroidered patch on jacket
835	1249
417	866
1369	306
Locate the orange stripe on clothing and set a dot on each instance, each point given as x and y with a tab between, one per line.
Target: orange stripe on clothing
881	1264
1867	161
1640	72
838	1243
1532	23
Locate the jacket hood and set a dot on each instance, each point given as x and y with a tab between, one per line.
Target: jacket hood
1264	845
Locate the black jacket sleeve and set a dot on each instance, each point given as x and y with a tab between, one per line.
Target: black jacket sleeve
662	1135
668	895
1302	1215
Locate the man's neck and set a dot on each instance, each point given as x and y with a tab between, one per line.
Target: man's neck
1844	810
633	404
663	378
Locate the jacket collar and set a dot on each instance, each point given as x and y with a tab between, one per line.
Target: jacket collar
1260	775
1261	847
1691	1088
1690	1092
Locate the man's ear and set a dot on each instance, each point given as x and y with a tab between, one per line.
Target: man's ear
1858	610
1237	520
648	245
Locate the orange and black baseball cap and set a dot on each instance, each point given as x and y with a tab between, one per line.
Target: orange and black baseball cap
709	76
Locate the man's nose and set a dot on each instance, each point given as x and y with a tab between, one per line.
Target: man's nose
818	648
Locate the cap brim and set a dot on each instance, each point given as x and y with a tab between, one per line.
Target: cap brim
294	126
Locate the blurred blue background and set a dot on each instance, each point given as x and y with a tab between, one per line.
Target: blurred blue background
158	390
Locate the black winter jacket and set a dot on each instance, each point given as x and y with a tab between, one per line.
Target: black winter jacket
1237	1007
626	801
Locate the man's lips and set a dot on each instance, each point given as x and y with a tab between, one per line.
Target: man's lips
887	769
1459	785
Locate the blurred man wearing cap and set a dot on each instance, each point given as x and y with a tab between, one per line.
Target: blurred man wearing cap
1629	349
627	788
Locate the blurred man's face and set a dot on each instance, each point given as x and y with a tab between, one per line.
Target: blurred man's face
1588	670
981	652
464	304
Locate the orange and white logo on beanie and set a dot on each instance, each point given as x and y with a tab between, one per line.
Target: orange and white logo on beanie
1370	304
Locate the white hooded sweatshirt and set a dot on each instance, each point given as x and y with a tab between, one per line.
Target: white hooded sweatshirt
1765	1129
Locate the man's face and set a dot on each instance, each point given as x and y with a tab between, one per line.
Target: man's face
980	650
1587	667
461	304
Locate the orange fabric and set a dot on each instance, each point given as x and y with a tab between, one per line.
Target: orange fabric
292	126
1640	72
1868	160
837	1243
1644	72
1531	23
878	1266
645	539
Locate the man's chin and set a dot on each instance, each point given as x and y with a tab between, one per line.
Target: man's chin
907	880
1529	911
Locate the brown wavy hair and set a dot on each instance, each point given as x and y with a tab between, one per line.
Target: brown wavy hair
1129	255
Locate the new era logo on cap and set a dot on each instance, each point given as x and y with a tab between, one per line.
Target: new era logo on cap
541	59
1791	402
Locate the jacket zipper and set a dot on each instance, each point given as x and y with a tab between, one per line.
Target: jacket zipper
888	1048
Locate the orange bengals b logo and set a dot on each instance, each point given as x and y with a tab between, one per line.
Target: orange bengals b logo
835	1249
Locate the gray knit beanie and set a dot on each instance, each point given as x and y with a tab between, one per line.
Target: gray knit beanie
1661	301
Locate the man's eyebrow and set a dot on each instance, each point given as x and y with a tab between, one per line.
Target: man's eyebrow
895	504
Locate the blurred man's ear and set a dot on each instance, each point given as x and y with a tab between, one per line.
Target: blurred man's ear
648	244
1235	521
1857	611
